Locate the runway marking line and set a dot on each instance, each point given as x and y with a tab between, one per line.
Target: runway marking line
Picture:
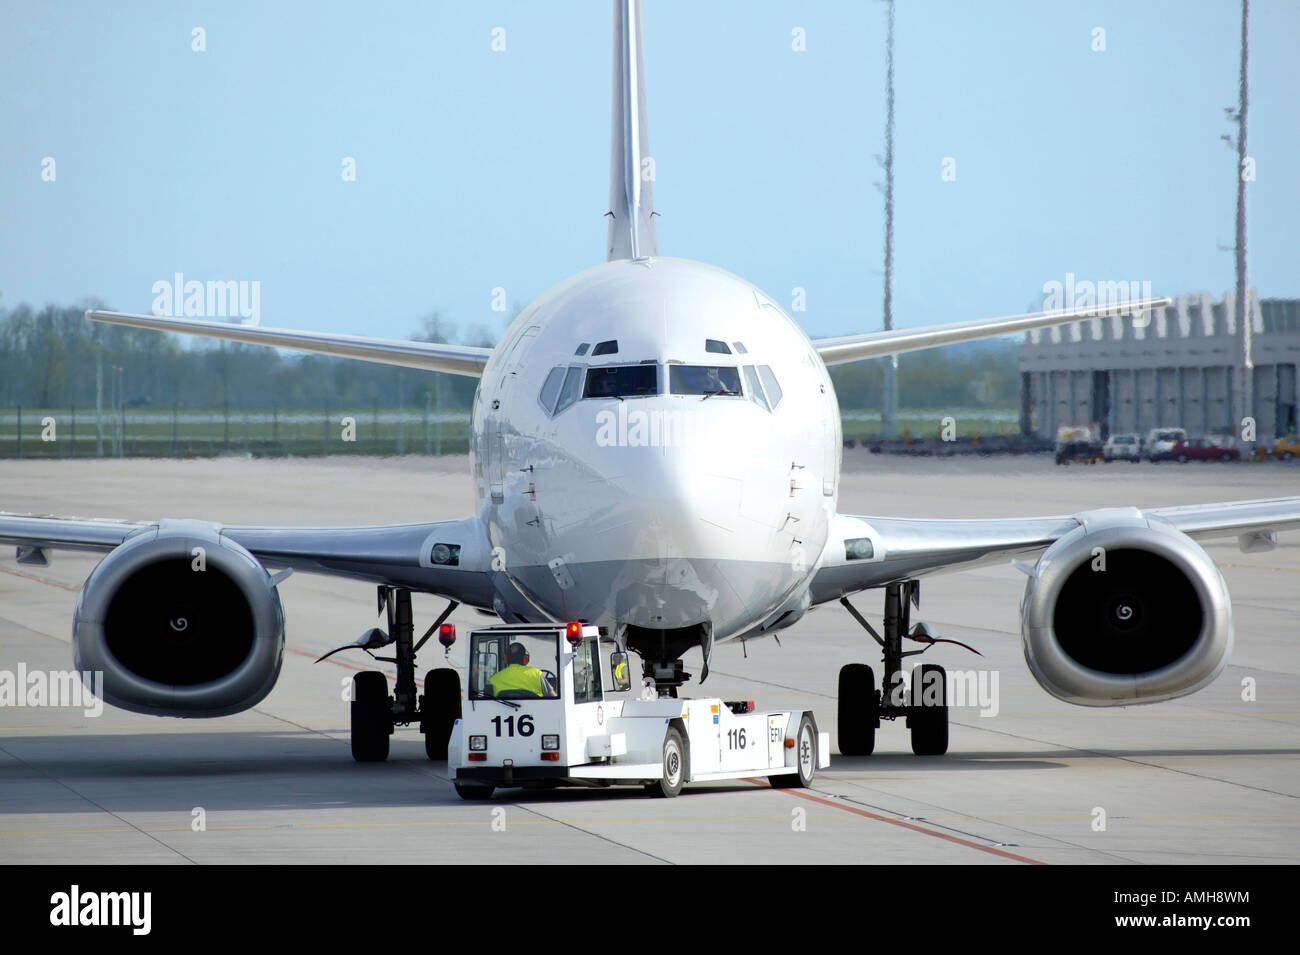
40	580
905	825
399	825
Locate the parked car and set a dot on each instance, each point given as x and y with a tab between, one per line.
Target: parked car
1122	447
1078	452
1160	443
1286	448
1078	442
1203	449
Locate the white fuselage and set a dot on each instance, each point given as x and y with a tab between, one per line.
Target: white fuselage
665	510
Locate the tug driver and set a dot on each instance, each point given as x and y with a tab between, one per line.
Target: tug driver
518	675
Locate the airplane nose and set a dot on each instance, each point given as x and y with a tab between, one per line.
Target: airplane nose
675	483
667	512
682	487
676	578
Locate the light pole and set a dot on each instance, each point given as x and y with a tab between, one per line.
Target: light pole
99	396
1244	393
889	400
119	417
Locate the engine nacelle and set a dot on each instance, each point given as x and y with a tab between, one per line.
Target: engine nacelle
182	622
1125	609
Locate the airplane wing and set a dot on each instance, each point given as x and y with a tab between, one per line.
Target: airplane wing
847	348
902	548
400	555
453	359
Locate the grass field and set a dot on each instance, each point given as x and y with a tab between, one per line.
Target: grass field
136	432
152	432
929	422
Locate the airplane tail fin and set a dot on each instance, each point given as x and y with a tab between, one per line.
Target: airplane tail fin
631	168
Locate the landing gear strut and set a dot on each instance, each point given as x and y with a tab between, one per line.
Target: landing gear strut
375	714
661	651
862	706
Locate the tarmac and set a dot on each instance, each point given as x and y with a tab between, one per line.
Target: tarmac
1210	778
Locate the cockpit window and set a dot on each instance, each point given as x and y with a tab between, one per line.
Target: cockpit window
713	345
622	381
605	348
582	349
755	389
740	348
551	389
770	385
571	388
703	380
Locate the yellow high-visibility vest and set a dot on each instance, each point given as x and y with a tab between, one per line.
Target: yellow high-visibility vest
517	677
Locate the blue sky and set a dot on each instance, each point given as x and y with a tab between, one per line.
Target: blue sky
478	169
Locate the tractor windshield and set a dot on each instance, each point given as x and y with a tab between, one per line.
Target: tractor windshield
514	666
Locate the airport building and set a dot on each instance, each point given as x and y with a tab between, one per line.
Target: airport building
1179	368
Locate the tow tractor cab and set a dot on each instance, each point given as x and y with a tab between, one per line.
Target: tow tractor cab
555	706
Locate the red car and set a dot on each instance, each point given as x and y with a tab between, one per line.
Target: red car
1203	449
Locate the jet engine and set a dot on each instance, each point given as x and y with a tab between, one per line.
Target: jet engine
181	622
1125	609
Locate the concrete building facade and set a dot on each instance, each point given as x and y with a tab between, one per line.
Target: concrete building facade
1177	366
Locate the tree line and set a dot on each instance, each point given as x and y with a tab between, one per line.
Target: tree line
974	375
49	359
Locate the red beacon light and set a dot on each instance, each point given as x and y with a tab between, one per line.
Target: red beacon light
447	635
573	633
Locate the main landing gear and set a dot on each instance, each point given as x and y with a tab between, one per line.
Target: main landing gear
375	714
862	706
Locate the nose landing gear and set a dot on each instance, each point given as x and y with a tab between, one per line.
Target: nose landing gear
661	651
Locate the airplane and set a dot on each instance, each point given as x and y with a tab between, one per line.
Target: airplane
656	450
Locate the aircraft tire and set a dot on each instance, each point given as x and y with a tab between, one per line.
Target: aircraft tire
928	722
372	720
858	713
